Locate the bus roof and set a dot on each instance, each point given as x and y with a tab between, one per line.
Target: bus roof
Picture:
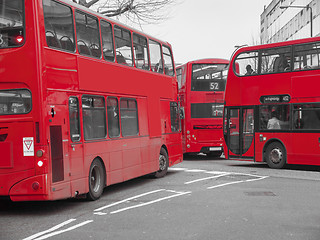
207	60
277	44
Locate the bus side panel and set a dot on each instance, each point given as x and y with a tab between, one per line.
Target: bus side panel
60	74
305	149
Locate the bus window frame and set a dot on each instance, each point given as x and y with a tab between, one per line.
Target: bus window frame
73	28
83	120
31	103
131	46
88	15
79	119
24	28
112	38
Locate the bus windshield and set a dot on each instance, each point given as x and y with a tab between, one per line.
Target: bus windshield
209	77
11	23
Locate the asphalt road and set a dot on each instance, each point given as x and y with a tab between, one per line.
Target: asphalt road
200	198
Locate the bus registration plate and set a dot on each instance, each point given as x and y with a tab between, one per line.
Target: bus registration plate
215	148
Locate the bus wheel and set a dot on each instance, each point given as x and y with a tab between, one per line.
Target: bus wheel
96	180
163	164
276	156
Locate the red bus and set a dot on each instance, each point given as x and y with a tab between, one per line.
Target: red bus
201	92
272	104
85	102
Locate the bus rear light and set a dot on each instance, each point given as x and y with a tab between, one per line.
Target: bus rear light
188	145
35	186
40	163
19	39
39	153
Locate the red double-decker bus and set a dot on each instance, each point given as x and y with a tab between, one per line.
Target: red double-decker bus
272	109
85	102
201	92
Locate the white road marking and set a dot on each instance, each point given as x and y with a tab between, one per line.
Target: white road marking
202	179
242	181
65	230
151	202
128	199
195	170
50	230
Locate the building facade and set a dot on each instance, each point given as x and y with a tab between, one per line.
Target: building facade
284	20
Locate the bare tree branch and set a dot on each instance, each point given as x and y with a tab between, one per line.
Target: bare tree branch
136	11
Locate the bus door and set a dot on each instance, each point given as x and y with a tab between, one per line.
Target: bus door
58	143
240	132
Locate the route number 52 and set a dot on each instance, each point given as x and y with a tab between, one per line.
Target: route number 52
214	86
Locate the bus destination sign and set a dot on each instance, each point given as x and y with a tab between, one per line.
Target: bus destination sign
275	98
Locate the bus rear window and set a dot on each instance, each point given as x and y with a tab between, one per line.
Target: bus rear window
16	101
209	77
11	23
206	110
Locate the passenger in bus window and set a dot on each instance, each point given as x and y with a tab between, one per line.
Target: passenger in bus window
249	70
274	122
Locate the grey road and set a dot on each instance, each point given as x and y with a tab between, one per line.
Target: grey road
200	198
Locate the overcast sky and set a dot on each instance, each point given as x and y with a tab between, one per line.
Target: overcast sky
209	28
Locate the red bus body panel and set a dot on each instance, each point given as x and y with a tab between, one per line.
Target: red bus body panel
199	133
53	76
302	86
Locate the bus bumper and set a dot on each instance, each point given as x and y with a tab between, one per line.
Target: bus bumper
30	189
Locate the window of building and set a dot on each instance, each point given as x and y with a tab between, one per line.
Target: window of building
140	48
58	21
94	120
74	119
113	117
107	41
123	46
88	37
129	117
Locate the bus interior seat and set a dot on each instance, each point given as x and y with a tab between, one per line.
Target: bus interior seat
52	40
66	43
83	48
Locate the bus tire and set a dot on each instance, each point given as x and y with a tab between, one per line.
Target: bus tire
163	164
276	156
97	180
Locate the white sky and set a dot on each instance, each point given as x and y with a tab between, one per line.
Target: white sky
209	28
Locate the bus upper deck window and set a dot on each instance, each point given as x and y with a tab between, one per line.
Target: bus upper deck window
11	23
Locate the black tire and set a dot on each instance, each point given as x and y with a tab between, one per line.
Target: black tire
276	155
97	180
163	164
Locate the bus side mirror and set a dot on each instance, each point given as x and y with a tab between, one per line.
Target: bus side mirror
181	112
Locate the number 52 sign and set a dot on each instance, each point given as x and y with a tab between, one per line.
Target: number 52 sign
214	86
